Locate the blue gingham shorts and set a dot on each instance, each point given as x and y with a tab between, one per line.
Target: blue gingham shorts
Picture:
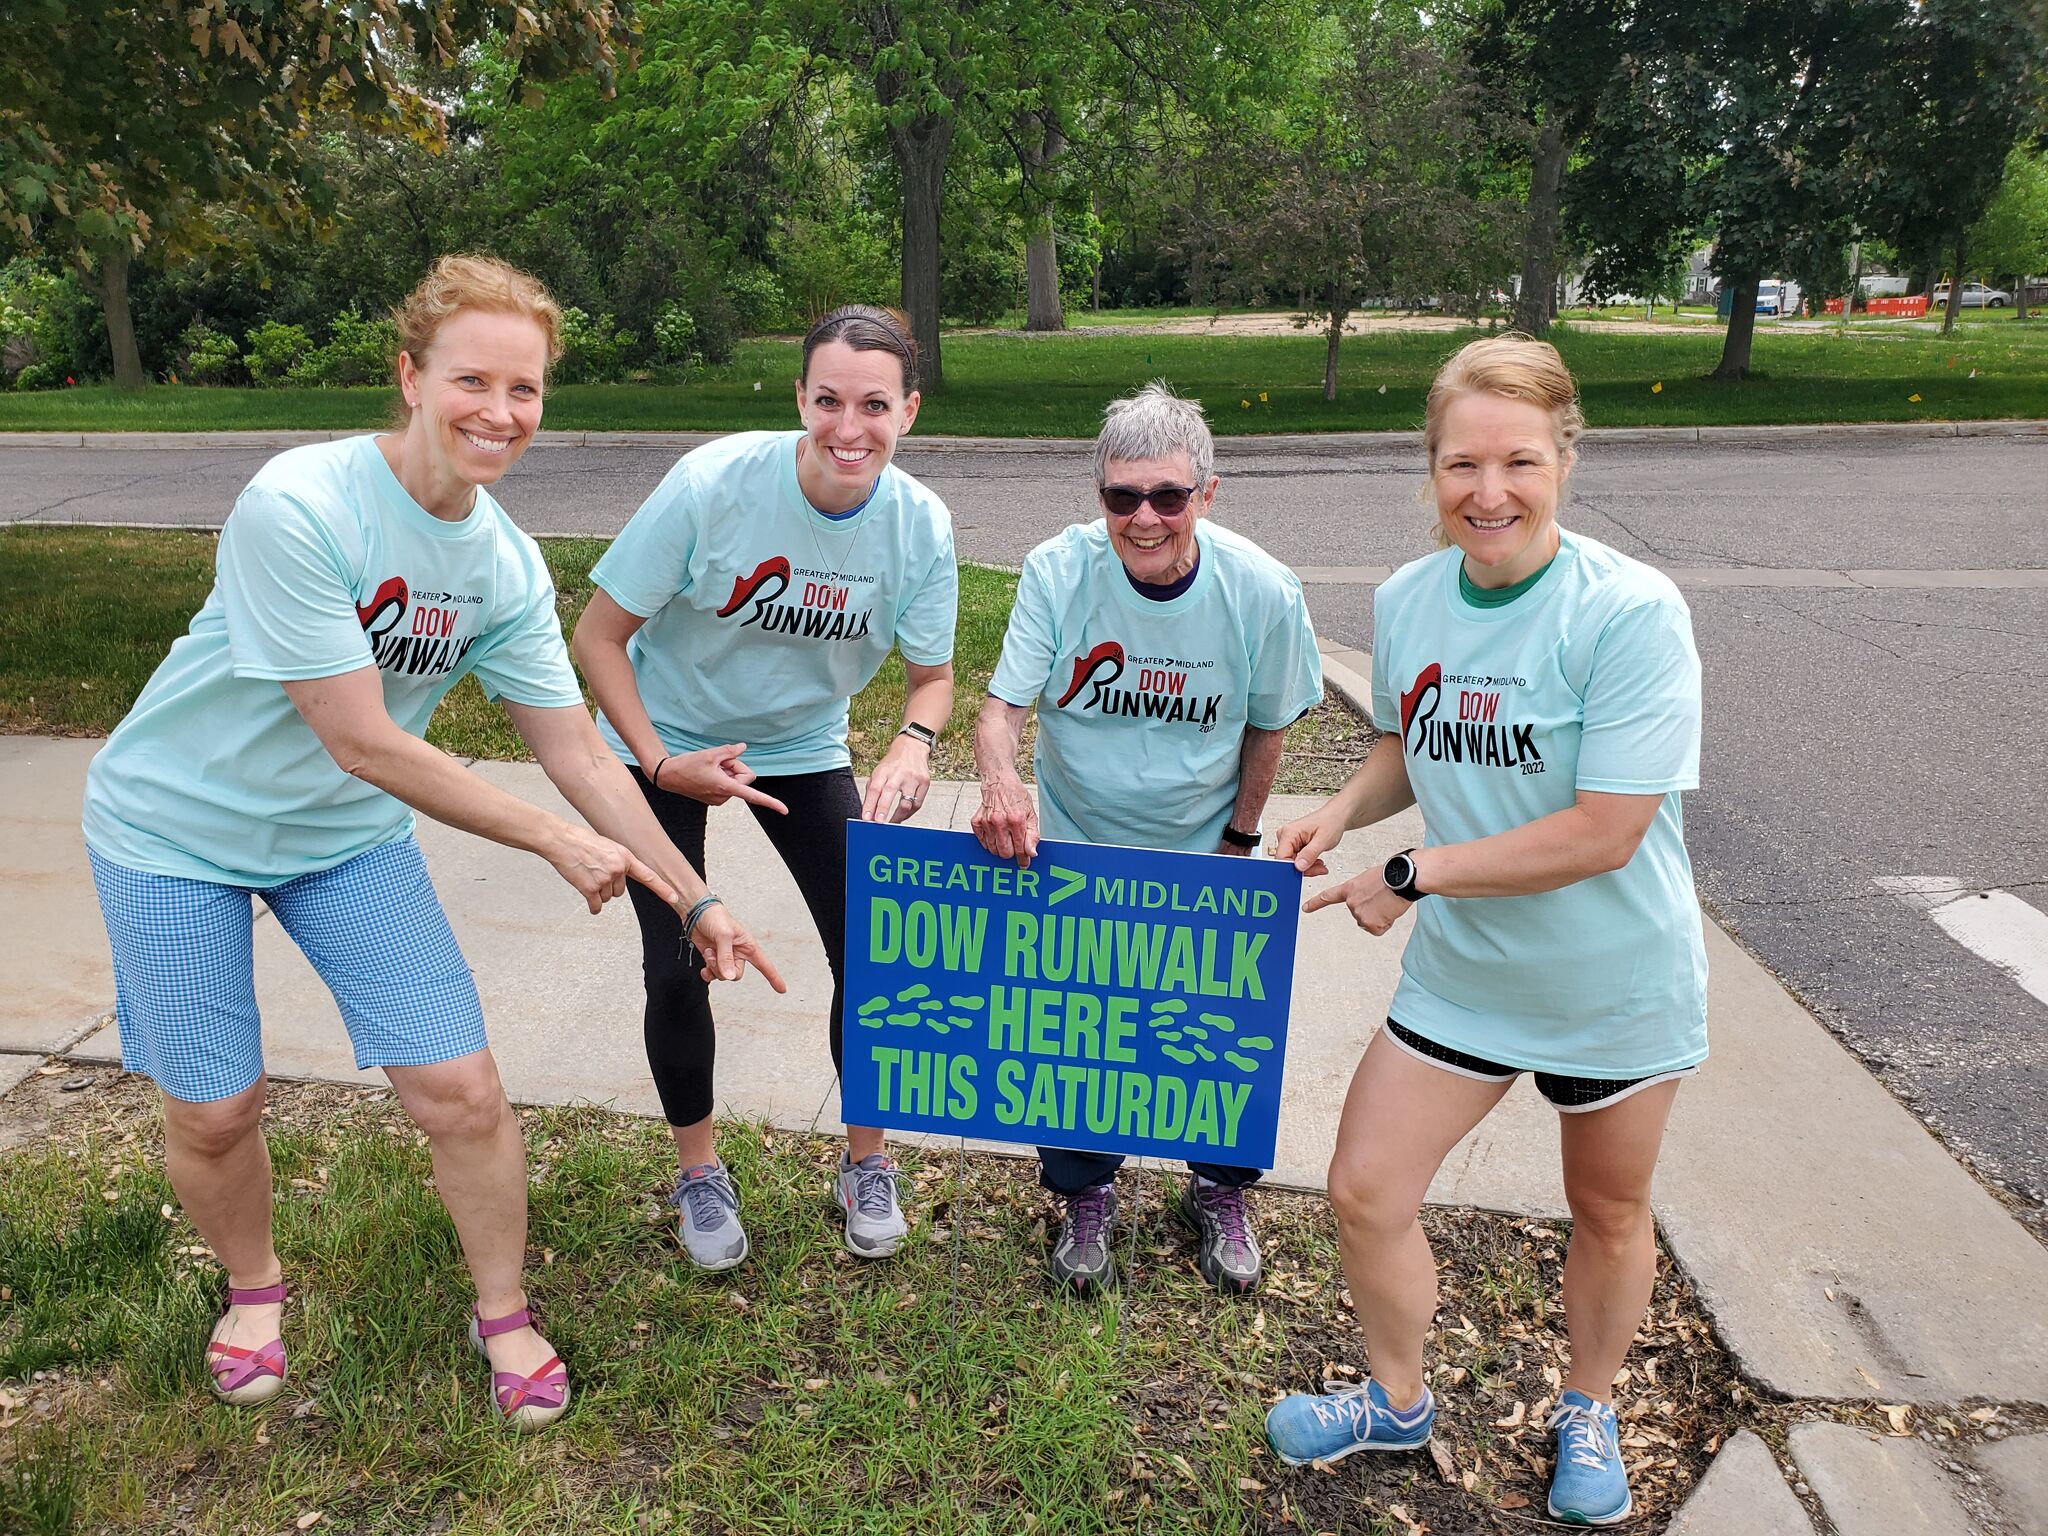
184	968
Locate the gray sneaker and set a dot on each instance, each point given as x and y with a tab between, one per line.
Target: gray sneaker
875	1227
1226	1247
1083	1258
709	1203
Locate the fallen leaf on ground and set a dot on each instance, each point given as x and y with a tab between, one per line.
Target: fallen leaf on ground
1515	1419
1513	1501
309	1519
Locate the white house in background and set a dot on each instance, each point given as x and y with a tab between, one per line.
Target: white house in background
1700	285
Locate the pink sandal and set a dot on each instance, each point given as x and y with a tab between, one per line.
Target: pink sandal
245	1376
524	1402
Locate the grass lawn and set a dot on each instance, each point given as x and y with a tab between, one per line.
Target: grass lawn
1056	385
945	1391
87	613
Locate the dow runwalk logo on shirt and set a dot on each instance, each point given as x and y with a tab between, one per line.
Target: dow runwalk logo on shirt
1477	735
412	634
818	610
1161	693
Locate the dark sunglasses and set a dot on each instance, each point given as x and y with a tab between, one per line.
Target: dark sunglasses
1123	501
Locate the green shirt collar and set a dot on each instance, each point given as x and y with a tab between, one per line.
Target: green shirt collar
1497	597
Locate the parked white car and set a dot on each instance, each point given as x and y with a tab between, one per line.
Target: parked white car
1975	296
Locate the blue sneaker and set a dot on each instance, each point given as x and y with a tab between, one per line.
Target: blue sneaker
1345	1416
1590	1486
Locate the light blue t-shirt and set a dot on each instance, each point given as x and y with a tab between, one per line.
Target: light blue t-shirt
764	616
1587	681
325	565
1143	704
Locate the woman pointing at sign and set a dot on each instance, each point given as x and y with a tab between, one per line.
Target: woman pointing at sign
277	752
755	592
1166	658
1547	698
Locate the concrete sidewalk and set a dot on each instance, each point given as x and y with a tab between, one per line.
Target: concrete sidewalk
1844	1255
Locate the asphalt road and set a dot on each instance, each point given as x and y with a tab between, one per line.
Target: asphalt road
1891	721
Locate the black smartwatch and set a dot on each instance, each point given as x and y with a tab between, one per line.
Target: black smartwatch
1399	875
1238	839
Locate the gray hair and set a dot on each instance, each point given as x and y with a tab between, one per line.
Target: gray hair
1155	423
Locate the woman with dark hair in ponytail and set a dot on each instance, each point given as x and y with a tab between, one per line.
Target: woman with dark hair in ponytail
755	592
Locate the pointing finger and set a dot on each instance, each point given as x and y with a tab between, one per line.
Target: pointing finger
763	964
650	879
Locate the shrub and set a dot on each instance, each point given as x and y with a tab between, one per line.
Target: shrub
593	351
718	327
272	350
358	351
208	356
52	319
757	299
832	260
39	376
675	335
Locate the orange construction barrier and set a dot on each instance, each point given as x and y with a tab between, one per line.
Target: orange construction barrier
1910	306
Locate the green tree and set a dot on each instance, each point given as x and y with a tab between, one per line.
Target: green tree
1556	60
1965	83
1753	119
124	123
2012	237
1361	190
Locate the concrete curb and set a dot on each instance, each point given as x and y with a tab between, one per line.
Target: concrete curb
1348	674
1298	442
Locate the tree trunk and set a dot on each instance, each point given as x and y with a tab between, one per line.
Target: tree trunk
920	148
1042	144
1533	313
1955	287
110	283
1928	273
1333	337
1741	327
1042	310
2019	297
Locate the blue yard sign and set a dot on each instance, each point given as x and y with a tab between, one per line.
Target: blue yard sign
1105	1000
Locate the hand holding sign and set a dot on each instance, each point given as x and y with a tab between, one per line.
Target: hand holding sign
1303	843
1007	820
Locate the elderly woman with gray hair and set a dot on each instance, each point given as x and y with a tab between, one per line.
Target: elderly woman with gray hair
1149	598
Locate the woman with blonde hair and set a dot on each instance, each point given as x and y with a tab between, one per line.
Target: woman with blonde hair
1541	698
277	752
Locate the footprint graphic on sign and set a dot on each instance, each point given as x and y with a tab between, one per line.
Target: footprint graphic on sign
1166	1014
915	1005
1249	1043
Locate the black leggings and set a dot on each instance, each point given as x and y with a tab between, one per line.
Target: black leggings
811	840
